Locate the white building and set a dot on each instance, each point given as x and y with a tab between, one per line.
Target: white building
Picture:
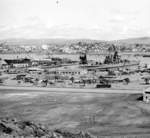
146	95
68	70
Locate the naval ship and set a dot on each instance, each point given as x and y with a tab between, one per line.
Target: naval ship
111	62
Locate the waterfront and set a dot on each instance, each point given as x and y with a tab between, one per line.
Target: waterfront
97	57
61	75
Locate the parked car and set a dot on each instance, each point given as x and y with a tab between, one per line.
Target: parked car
103	85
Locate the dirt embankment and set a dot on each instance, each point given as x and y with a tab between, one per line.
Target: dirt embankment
12	128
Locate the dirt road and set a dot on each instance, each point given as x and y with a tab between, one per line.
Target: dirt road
70	90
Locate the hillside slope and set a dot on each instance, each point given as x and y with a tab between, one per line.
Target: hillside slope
140	40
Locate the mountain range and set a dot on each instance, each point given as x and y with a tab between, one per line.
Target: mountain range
139	40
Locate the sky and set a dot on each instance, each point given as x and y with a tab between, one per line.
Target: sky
92	19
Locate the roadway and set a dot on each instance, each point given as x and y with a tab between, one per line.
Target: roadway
13	89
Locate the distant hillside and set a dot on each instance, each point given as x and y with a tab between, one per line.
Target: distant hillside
140	40
45	41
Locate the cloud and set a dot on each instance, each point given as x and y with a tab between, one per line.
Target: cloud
98	19
117	27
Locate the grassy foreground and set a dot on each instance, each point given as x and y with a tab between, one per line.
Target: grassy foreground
98	114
